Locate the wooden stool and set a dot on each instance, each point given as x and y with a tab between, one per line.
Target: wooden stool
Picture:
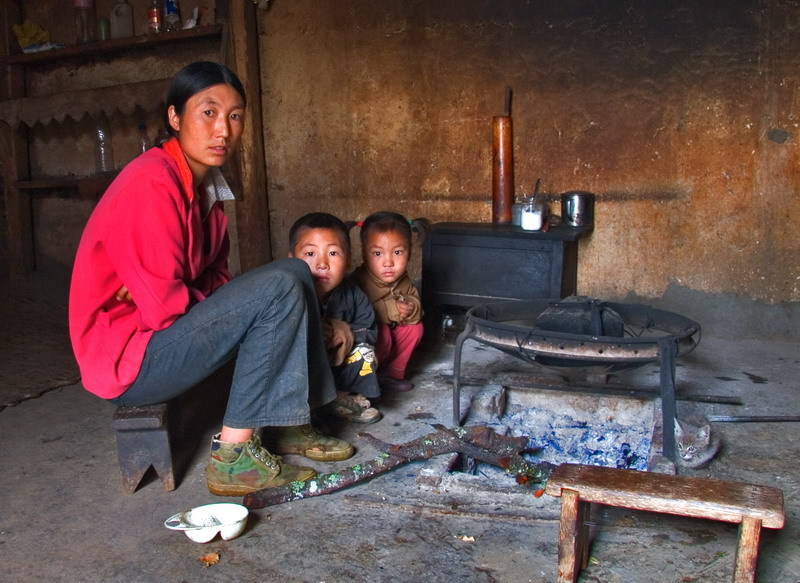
748	505
143	441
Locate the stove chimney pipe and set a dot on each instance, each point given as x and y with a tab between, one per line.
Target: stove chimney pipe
502	165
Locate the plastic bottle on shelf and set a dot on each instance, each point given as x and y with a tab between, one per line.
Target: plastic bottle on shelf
154	24
144	141
103	152
85	26
172	15
121	20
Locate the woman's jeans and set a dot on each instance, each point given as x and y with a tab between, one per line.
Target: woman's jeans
267	319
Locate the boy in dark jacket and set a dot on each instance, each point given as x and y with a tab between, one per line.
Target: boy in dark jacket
349	327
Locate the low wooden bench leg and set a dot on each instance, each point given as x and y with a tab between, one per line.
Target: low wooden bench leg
142	441
747	551
573	544
583	534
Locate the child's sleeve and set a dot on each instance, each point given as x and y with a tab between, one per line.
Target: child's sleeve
364	324
411	294
342	341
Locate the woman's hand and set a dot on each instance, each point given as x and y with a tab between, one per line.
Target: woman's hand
123	295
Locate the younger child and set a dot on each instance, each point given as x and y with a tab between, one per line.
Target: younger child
386	249
323	242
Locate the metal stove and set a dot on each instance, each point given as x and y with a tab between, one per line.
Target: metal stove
552	333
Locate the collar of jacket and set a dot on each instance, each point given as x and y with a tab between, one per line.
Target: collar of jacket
215	185
380	283
174	150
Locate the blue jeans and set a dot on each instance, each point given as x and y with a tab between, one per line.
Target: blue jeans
267	319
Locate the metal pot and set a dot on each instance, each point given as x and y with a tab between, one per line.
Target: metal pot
577	208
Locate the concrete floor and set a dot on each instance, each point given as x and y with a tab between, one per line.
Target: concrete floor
64	516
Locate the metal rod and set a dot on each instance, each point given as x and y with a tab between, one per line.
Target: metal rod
603	389
668	350
753	418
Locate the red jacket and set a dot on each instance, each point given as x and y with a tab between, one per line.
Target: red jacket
146	233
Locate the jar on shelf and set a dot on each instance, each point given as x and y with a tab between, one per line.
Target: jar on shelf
85	26
516	212
532	216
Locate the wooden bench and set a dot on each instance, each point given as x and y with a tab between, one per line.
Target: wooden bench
142	437
579	486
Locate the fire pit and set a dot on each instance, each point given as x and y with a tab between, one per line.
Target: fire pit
641	335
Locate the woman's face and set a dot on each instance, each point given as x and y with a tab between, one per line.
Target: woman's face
209	127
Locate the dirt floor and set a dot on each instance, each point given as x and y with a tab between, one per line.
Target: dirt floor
64	516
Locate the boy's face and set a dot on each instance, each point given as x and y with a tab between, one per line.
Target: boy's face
325	254
386	255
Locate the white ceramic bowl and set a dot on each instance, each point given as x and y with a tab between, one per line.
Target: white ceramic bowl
201	524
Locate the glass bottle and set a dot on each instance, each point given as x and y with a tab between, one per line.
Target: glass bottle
85	26
172	15
154	24
144	141
103	152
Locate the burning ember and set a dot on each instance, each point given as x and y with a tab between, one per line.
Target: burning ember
565	437
574	428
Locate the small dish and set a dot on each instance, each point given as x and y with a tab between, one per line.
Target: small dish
201	524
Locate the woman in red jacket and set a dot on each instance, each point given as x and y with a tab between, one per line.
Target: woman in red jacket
153	308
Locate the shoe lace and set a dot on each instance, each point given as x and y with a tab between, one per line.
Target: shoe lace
308	430
260	453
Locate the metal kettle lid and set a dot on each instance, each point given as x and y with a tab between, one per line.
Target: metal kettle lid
582	193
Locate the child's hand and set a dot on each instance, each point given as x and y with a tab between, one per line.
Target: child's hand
338	337
405	308
327	334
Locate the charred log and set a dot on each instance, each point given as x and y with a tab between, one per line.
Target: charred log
477	441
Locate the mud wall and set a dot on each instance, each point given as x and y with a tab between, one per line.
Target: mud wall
681	116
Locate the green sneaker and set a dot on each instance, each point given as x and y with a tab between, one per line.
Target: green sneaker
234	469
305	440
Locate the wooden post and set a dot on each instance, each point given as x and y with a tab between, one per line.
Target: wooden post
14	151
19	221
252	210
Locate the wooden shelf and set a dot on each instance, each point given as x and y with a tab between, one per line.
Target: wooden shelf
86	187
110	46
63	181
75	104
25	105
